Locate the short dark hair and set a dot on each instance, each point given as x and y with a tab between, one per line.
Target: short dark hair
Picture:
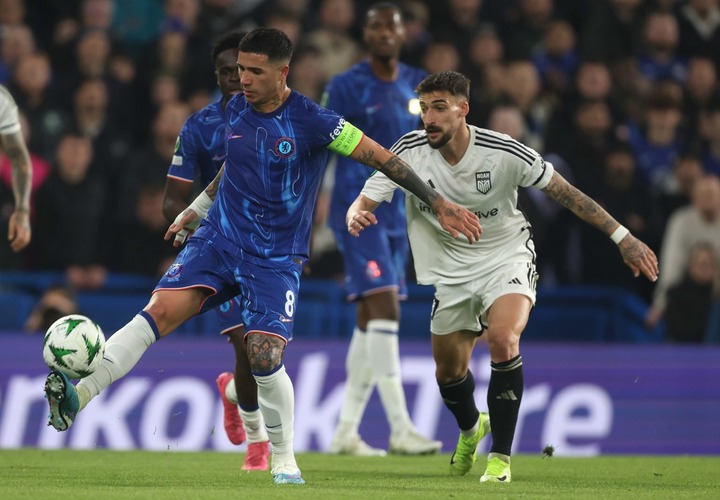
381	6
446	81
268	41
229	40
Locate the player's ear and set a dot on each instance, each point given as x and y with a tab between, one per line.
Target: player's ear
284	71
464	108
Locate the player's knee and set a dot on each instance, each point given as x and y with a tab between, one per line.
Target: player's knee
503	343
449	372
265	352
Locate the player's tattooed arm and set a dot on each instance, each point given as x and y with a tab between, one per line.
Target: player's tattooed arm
265	352
452	217
16	151
19	231
212	188
636	254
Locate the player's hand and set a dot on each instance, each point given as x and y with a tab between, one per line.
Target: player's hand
639	258
456	219
184	225
359	220
19	231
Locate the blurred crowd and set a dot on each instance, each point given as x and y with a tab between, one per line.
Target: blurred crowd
620	95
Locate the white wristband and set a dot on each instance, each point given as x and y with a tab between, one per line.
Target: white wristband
619	234
201	204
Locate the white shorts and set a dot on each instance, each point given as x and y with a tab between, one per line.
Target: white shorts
464	306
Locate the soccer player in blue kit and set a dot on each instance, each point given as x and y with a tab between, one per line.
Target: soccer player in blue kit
253	238
378	96
199	153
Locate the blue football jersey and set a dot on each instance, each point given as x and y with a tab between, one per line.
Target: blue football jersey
384	111
200	148
274	166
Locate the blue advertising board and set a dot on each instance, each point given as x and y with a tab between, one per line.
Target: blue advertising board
584	399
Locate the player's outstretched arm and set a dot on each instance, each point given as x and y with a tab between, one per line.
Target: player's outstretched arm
452	217
360	214
189	219
19	230
636	254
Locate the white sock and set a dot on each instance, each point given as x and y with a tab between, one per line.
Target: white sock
384	355
254	425
277	404
231	391
358	384
122	351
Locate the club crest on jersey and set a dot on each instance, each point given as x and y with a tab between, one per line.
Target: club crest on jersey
173	272
482	182
284	147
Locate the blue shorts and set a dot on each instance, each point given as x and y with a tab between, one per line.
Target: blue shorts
264	297
229	315
374	262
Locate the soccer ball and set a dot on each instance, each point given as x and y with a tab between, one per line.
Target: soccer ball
74	345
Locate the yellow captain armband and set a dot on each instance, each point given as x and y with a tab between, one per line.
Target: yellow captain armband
346	137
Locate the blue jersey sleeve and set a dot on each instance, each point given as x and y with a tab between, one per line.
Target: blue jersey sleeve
184	163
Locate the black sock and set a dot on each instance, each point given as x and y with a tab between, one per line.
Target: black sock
459	399
503	398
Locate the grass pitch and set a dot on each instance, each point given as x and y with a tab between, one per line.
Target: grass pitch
100	474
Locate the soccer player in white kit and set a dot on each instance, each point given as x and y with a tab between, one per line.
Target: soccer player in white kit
13	145
487	286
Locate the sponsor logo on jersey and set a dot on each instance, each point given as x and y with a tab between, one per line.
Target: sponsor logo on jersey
284	147
482	182
335	133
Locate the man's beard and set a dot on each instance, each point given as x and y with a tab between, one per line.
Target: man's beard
444	139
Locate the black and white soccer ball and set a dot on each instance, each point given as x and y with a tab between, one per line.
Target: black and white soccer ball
74	345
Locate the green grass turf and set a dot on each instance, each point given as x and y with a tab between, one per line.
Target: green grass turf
100	474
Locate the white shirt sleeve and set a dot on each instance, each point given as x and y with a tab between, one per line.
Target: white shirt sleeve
9	119
379	188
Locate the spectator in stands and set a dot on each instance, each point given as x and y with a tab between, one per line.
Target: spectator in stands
339	50
699	25
657	140
309	75
701	89
612	30
525	29
441	55
687	169
620	192
57	301
557	59
148	165
456	21
70	210
659	59
16	41
142	249
31	89
416	19
689	301
586	143
522	86
688	226
709	135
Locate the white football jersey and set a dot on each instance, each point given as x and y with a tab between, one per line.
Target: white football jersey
9	121
485	181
